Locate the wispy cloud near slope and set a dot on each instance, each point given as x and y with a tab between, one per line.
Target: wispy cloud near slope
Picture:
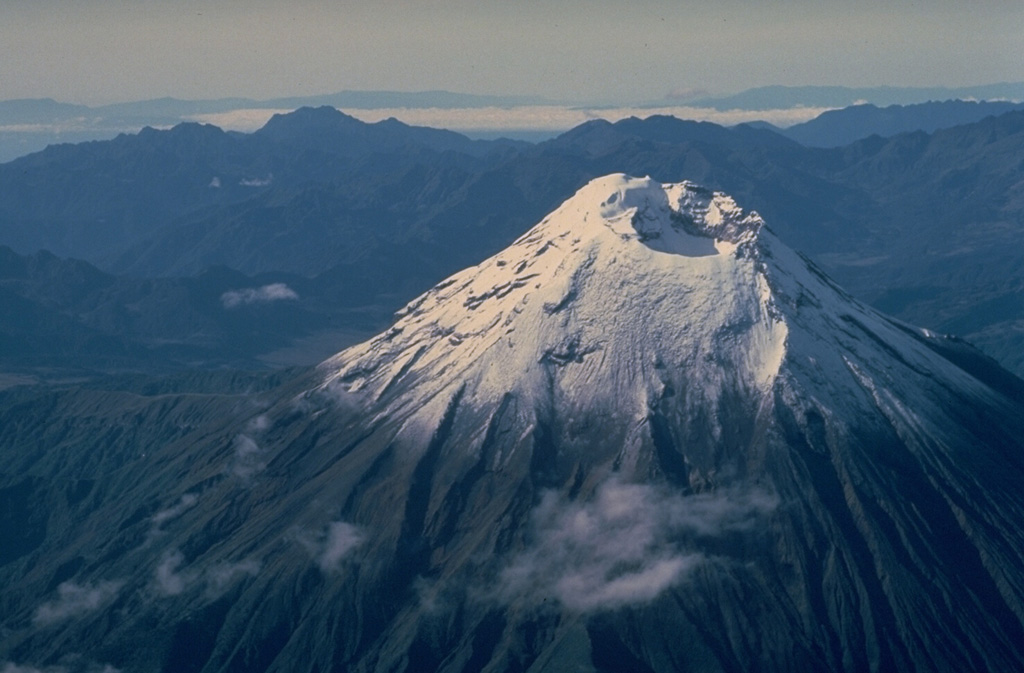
331	546
74	600
627	545
258	295
169	578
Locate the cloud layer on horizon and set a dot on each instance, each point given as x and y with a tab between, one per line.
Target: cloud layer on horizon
553	118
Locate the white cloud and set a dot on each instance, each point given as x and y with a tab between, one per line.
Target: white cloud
11	667
256	182
74	125
331	546
554	118
245	120
254	295
247	459
626	545
341	539
246	462
169	580
562	118
220	576
540	118
74	600
186	501
259	424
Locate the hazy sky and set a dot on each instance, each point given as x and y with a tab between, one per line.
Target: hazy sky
98	51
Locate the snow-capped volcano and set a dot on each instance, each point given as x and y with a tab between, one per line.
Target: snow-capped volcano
645	437
632	298
630	290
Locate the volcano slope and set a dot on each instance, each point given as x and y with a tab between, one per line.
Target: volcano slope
647	436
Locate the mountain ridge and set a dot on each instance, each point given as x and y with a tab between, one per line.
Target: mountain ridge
380	223
836	128
779	96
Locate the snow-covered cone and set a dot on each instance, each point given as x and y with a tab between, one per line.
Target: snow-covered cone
631	298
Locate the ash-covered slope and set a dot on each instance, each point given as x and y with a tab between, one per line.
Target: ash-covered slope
645	437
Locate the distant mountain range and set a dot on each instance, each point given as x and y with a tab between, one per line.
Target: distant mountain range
926	226
172	110
29	125
93	200
784	97
847	125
